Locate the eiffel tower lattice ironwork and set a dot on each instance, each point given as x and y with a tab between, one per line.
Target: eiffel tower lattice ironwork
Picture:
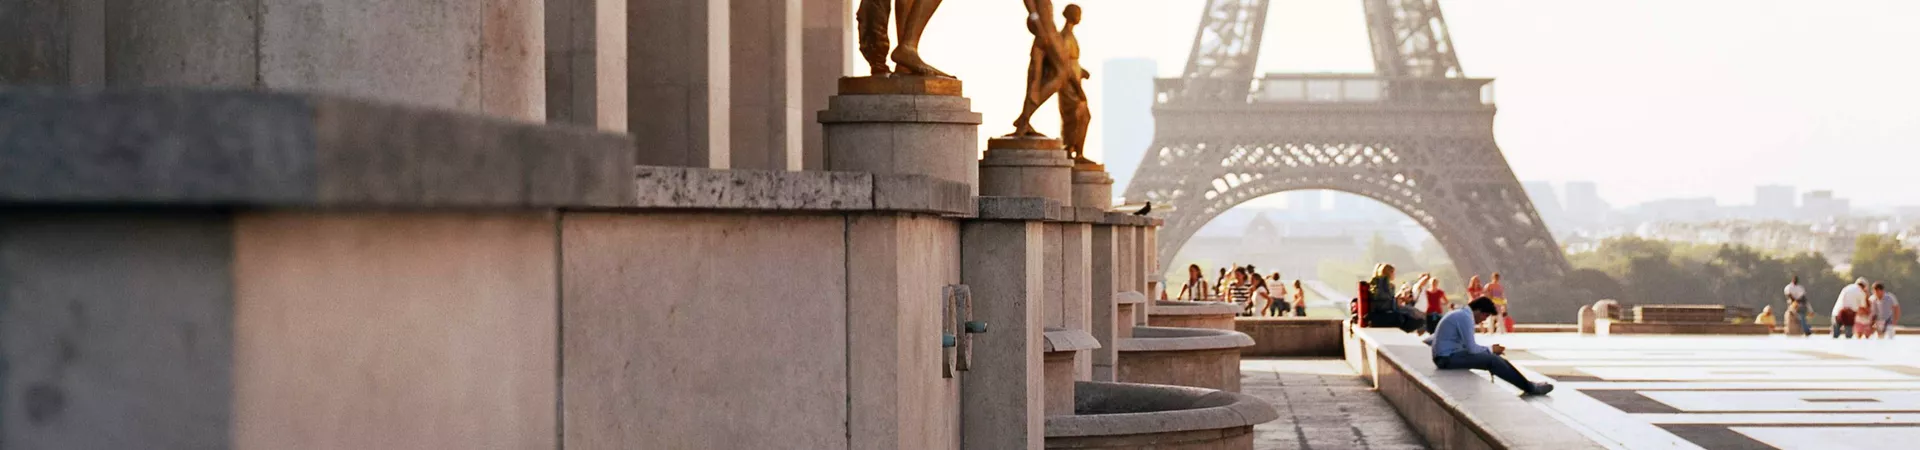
1416	135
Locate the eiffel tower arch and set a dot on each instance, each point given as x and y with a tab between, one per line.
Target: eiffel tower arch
1416	135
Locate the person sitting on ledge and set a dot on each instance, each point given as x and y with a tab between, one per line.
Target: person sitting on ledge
1454	349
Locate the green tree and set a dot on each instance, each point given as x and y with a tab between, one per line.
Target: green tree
1882	259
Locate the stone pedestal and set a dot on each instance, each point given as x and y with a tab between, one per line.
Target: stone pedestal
1027	167
902	125
1002	404
1092	187
1586	319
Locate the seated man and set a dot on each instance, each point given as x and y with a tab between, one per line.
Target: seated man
1454	349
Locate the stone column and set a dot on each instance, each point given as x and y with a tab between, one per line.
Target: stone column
678	82
482	56
1077	281
1002	404
902	126
766	84
1103	318
1027	167
825	40
587	63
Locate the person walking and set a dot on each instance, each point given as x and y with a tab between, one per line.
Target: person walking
1220	285
1797	308
1886	311
1240	292
1847	307
1262	297
1195	290
1435	297
1497	292
1299	299
1277	304
1454	348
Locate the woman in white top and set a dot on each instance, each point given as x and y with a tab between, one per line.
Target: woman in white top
1196	288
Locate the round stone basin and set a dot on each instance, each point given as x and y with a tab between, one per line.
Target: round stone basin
1134	416
1215	315
1196	357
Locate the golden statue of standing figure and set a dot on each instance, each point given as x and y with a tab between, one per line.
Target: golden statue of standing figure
1053	67
910	20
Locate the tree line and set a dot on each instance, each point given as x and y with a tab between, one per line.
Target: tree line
1638	271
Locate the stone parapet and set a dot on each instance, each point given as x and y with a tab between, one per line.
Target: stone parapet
246	148
1453	408
698	188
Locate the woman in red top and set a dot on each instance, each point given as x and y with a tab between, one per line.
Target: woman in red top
1435	297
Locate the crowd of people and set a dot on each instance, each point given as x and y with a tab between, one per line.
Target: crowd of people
1864	310
1257	295
1417	306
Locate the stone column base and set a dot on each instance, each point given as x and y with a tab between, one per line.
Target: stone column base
1027	167
902	125
1092	187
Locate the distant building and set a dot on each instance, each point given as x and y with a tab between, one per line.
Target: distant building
1126	115
1820	206
1697	209
1547	202
1584	208
1774	202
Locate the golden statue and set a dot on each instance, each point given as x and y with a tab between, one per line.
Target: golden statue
1053	67
910	19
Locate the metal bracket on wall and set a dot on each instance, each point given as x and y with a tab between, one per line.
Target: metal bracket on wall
949	330
959	300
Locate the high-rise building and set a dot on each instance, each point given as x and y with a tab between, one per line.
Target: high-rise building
1547	202
1773	202
1584	206
1822	205
1125	120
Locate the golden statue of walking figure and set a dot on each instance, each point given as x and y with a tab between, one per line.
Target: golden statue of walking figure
1053	67
910	20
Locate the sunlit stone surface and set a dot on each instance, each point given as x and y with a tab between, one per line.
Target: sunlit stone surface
1728	392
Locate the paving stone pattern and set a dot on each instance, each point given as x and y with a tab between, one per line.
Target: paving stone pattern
1323	405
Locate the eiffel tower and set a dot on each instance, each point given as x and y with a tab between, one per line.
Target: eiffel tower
1416	135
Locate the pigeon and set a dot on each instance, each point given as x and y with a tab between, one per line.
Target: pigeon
1144	209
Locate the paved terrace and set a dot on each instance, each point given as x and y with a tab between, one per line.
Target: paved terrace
1687	392
1323	405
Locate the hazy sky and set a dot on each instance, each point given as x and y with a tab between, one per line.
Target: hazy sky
1649	98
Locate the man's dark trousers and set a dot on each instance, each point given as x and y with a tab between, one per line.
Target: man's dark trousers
1485	361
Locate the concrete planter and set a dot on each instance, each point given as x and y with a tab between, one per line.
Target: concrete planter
1291	336
1061	346
1218	316
1196	357
1135	416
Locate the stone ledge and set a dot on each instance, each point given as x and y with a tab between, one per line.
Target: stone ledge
1067	340
251	148
1606	327
1123	409
1184	308
1167	339
701	188
1454	408
1018	208
1129	297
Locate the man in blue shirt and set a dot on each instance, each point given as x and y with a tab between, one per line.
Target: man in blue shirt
1454	349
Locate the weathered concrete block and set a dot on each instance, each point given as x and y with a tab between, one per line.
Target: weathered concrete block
286	150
